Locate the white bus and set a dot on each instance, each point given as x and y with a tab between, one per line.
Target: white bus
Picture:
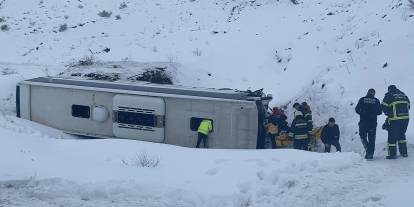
143	111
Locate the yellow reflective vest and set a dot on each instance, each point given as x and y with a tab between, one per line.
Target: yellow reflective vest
205	127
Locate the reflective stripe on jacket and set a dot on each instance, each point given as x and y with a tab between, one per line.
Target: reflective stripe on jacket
299	128
297	113
396	106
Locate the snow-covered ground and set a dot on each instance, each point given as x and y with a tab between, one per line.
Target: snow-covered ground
328	53
42	167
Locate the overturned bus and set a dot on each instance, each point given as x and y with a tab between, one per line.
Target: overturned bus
144	111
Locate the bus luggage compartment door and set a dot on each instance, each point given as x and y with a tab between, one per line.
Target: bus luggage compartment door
139	117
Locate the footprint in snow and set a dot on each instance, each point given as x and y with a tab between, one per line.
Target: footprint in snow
220	161
375	198
212	171
260	163
260	175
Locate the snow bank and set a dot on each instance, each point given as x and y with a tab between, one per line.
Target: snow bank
40	170
93	172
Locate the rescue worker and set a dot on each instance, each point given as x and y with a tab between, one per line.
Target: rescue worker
307	114
368	108
299	132
396	105
205	128
330	135
277	124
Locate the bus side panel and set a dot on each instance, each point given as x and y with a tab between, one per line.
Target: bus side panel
234	124
55	107
177	117
245	126
24	101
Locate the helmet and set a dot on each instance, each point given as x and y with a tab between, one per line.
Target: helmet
296	105
392	88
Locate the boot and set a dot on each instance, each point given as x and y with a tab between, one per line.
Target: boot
392	152
402	147
369	157
391	157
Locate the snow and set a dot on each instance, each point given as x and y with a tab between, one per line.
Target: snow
46	171
328	53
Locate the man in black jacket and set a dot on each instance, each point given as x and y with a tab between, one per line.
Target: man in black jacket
330	136
396	105
368	108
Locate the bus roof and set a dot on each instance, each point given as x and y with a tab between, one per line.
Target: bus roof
148	87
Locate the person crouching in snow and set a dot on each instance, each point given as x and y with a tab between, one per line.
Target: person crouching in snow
205	128
330	136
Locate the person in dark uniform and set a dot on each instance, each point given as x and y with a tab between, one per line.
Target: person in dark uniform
330	135
396	105
368	108
307	114
299	132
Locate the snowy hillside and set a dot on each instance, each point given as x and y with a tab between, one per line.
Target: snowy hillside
325	52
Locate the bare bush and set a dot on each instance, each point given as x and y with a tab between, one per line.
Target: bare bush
123	5
5	27
103	76
2	19
172	58
296	2
154	75
8	71
197	52
244	202
85	61
105	14
63	27
411	4
142	159
118	17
